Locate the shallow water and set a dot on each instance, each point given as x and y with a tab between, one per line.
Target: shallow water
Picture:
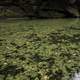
47	36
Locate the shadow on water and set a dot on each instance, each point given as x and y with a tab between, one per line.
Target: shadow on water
10	70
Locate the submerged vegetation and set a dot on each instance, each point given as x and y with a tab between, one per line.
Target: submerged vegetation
32	53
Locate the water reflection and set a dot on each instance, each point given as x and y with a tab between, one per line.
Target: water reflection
76	76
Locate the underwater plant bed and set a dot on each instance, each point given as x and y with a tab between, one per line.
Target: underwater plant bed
39	51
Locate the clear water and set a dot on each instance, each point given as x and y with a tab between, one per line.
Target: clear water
11	29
